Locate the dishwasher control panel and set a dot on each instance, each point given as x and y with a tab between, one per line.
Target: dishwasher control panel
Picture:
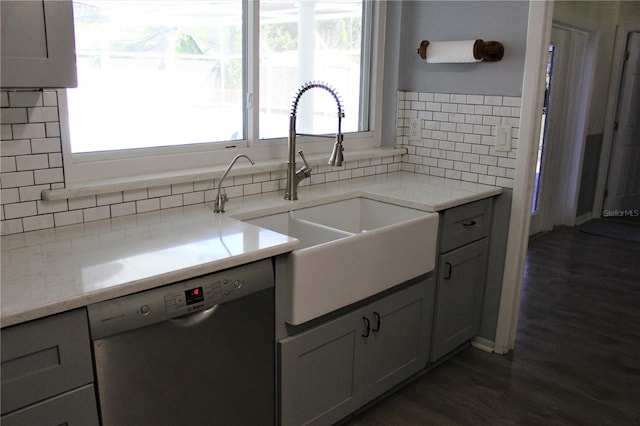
179	299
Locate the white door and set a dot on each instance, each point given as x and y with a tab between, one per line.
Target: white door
552	134
622	197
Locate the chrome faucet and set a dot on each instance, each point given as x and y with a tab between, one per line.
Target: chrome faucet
295	177
222	196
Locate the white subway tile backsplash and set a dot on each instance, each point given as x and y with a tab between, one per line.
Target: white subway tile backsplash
475	99
251	189
35	223
171	201
6	133
96	213
134	194
45	206
458	139
159	191
11	226
21	98
32	162
19	210
28	131
195	197
45	145
181	188
49	98
15	147
49	175
469	177
55	160
43	114
148	205
486	179
16	179
493	100
13	115
424	97
11	195
511	101
82	202
123	209
7	164
68	218
52	129
31	193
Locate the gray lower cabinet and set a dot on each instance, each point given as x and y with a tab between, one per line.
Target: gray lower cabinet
37	44
459	297
47	372
462	266
333	369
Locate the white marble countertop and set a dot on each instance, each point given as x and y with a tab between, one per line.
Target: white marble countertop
427	193
51	271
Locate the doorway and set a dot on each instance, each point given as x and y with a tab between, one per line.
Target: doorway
563	129
622	195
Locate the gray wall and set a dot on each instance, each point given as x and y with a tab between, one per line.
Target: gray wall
503	21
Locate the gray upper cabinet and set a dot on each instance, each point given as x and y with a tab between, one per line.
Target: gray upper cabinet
333	369
37	44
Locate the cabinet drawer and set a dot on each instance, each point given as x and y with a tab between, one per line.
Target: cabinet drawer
75	408
465	224
43	358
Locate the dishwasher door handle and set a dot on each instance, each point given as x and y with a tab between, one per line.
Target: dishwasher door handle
193	319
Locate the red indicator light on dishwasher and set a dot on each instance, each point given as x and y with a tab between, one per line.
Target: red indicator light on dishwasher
194	295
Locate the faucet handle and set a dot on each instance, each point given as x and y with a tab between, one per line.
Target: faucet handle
304	159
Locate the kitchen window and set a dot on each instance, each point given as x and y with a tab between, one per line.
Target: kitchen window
187	79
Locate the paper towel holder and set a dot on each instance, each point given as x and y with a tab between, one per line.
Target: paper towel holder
485	51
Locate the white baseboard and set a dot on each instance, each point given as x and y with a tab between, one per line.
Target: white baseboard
482	344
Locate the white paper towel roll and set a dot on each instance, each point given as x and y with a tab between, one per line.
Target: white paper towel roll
451	52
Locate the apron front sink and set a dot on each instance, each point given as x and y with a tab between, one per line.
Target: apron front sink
351	250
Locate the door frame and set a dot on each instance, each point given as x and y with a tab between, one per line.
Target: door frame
619	49
533	85
567	130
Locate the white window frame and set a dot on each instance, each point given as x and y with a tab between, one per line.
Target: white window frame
129	164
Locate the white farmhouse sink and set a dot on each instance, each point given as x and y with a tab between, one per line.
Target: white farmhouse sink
309	234
351	250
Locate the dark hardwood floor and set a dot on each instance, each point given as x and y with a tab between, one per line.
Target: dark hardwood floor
577	356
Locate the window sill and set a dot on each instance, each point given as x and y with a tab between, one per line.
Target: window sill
89	188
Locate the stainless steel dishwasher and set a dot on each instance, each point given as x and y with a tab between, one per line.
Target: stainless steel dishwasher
198	352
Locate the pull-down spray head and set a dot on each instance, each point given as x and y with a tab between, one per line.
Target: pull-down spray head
295	177
336	157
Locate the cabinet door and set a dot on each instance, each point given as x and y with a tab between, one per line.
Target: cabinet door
461	280
37	44
45	357
399	337
319	373
75	408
